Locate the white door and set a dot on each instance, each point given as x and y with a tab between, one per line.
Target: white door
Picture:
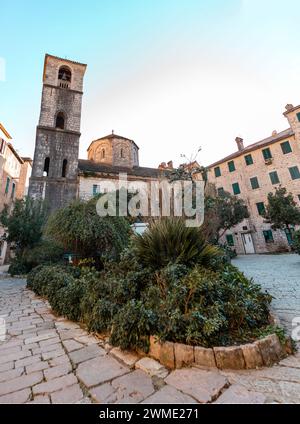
248	243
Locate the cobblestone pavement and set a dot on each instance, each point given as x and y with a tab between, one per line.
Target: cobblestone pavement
48	359
280	276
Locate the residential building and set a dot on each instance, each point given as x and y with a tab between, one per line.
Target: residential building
251	173
14	178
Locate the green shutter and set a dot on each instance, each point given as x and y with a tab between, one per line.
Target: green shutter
254	183
13	190
217	171
229	239
267	153
298	116
236	188
268	235
248	160
7	185
231	166
274	177
260	208
286	147
294	171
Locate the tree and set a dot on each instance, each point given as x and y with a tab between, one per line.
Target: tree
82	231
24	224
222	213
282	211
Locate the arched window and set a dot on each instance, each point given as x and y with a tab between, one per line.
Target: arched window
122	153
64	168
46	167
103	153
60	120
64	77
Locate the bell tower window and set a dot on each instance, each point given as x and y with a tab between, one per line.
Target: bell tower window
46	167
64	168
60	121
64	77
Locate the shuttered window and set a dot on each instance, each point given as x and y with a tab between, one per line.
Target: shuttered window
286	147
248	160
217	171
294	171
260	208
274	177
231	166
254	183
236	188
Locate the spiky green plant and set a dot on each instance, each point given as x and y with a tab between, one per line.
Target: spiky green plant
169	241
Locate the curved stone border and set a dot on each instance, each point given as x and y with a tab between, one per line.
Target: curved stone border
263	352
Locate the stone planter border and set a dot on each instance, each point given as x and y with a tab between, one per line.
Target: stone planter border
263	352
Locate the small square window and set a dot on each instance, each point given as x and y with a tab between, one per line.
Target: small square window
294	171
254	183
236	188
217	171
249	160
268	235
274	177
286	147
267	153
229	239
231	166
260	208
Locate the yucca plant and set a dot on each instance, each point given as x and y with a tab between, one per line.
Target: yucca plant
168	241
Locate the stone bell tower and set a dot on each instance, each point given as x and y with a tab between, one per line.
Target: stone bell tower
55	163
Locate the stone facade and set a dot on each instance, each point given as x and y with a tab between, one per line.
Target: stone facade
55	164
256	171
114	150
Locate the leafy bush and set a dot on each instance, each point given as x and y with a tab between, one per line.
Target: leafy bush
43	253
81	230
169	241
296	241
132	326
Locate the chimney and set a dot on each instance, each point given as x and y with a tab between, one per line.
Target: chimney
240	143
162	165
170	164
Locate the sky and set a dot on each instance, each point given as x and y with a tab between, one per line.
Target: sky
173	75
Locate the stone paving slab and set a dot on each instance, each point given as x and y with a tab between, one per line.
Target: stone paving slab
48	359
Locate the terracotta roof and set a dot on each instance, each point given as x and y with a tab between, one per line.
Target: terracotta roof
259	144
138	171
110	136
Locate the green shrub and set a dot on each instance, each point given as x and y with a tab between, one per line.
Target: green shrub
46	252
296	241
81	230
169	241
132	326
191	305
